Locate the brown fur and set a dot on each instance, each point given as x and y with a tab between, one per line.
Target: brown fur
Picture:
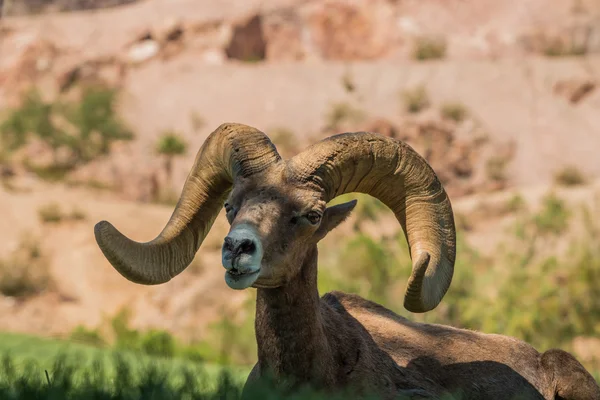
341	340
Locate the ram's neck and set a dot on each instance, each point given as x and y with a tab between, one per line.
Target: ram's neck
289	330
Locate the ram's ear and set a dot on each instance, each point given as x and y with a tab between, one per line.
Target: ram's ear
333	216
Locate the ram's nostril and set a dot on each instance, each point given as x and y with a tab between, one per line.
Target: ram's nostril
247	246
228	243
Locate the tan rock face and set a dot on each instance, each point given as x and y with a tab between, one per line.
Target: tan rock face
35	58
342	30
286	36
247	41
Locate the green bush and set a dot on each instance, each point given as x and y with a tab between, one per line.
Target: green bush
285	140
570	176
82	334
554	216
26	272
233	336
416	99
429	48
516	203
341	113
83	129
495	168
368	263
158	343
96	124
556	47
454	111
368	208
125	337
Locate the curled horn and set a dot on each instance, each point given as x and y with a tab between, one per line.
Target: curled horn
394	173
231	151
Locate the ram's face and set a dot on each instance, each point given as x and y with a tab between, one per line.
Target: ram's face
276	220
273	225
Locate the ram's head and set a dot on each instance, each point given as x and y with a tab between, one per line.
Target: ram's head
278	210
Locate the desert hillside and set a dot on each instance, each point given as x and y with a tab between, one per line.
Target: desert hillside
501	97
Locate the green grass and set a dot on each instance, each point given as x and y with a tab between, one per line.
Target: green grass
45	351
36	368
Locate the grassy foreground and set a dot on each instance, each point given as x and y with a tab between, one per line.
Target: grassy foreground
37	368
44	369
50	369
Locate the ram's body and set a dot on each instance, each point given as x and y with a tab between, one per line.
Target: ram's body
278	213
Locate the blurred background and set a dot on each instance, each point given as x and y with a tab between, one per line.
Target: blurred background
104	104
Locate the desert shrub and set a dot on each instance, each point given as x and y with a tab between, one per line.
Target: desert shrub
416	99
558	47
368	208
429	48
348	83
554	216
50	212
515	203
170	145
368	263
230	341
158	343
26	272
550	302
83	130
96	124
33	116
285	140
495	168
454	111
570	176
233	336
82	334
341	113
77	214
126	338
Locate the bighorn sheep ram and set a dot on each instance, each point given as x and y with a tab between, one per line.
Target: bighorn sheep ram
277	212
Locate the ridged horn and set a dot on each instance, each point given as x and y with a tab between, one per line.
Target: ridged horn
394	173
232	150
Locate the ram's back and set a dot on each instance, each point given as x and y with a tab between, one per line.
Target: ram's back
488	365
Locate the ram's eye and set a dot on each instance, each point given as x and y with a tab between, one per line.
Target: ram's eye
230	212
313	217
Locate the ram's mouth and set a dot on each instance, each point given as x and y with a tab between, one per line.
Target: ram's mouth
235	272
240	280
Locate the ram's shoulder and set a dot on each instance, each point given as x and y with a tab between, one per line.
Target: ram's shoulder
357	305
